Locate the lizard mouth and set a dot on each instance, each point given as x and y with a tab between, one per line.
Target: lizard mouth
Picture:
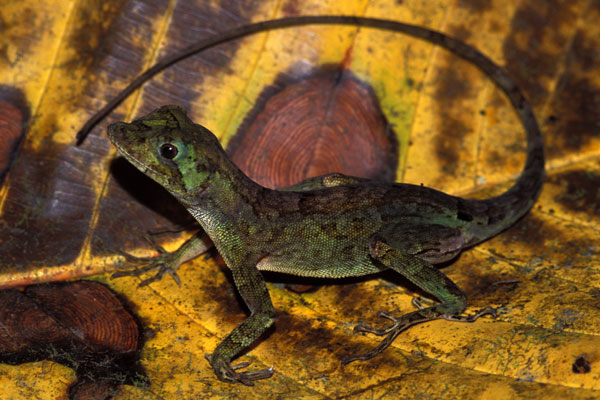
115	135
137	163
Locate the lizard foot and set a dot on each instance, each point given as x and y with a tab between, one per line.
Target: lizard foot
227	372
398	325
404	322
165	263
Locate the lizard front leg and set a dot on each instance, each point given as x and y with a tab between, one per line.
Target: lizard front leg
166	262
428	278
253	289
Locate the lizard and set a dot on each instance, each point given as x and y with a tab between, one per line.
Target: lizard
333	226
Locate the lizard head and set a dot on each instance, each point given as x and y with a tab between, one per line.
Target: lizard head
167	146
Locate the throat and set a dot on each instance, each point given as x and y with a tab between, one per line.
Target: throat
222	206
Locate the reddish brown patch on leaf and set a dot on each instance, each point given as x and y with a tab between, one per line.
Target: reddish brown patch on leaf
85	312
82	325
101	320
328	122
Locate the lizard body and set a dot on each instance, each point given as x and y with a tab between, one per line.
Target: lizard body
331	226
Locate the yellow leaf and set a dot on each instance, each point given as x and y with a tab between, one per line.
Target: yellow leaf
64	211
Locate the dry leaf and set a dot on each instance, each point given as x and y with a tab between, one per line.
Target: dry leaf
65	210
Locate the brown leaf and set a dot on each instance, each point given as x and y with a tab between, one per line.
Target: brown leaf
81	325
65	210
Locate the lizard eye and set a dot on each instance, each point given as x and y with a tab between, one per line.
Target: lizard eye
168	151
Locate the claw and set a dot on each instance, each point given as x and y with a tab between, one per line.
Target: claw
387	315
241	365
418	303
156	246
227	372
160	263
162	270
174	275
384	344
471	318
362	328
132	272
131	258
247	378
400	324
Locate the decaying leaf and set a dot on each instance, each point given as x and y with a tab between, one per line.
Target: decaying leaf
66	210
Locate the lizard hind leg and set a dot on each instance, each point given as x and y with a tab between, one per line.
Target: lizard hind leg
428	278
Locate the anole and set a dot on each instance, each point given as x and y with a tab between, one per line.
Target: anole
332	226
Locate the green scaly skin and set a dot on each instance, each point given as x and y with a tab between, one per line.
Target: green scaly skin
332	226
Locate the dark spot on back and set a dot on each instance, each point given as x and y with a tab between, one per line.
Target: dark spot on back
464	216
495	218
